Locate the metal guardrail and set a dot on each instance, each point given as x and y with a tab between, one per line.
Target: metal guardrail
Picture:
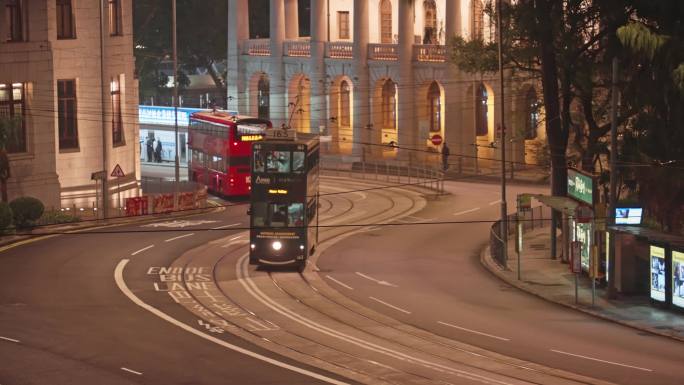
388	171
531	219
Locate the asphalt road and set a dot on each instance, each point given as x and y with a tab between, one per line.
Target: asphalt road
430	276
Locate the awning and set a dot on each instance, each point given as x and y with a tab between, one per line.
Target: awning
562	204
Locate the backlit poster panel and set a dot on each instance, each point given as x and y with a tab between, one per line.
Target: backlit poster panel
657	273
678	278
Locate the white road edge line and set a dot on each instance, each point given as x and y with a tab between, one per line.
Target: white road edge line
495	202
466	211
141	250
339	283
599	360
390	305
118	277
131	371
224	227
9	339
380	282
472	331
179	237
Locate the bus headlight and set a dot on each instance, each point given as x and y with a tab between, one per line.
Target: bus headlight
301	247
252	246
277	245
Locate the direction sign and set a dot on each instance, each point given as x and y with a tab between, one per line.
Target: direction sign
436	139
117	172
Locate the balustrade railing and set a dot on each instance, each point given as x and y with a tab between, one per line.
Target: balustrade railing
383	52
339	50
429	53
297	48
256	47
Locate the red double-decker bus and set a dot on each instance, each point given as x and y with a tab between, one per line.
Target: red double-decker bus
220	146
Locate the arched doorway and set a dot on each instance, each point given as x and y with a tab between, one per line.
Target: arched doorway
434	102
532	107
299	104
481	111
263	95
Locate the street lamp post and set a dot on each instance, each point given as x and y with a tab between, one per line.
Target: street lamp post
504	224
175	102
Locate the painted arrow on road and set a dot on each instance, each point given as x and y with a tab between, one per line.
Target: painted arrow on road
379	282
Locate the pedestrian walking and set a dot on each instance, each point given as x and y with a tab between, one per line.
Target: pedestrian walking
158	151
150	149
445	156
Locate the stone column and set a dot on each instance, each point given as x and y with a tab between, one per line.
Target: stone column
278	100
361	89
319	101
407	130
291	19
238	32
453	19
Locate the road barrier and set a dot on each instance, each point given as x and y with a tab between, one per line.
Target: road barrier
530	219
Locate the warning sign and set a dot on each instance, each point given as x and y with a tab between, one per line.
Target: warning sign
117	172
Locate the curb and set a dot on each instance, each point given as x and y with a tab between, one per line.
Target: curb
496	269
9	241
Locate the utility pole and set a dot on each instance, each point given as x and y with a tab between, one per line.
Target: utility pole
613	180
504	224
175	102
103	76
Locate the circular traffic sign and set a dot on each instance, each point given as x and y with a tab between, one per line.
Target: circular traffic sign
436	139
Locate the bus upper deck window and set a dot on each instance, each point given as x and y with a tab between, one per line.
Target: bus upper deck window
298	161
278	161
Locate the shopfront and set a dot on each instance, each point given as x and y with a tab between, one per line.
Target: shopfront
157	134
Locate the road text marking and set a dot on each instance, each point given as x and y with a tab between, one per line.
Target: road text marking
495	202
179	237
390	305
466	211
339	283
118	277
224	227
472	331
141	250
9	339
131	371
384	283
598	360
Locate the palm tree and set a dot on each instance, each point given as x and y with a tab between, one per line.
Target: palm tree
7	126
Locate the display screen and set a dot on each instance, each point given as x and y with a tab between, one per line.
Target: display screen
678	278
628	215
657	273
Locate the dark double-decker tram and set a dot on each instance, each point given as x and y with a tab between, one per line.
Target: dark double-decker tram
284	198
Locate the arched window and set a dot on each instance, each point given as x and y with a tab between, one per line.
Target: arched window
263	94
345	103
532	116
389	104
477	20
435	106
430	35
481	121
386	22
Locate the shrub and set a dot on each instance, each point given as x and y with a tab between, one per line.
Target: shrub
56	218
5	215
26	210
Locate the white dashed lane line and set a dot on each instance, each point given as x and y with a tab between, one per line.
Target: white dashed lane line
472	331
225	227
131	371
179	237
599	360
495	202
9	339
141	250
339	283
378	281
390	305
466	211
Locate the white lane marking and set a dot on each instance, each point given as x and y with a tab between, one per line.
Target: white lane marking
179	237
238	242
9	339
131	371
141	250
339	283
380	282
118	277
234	238
243	277
472	331
466	211
225	227
390	305
604	361
495	202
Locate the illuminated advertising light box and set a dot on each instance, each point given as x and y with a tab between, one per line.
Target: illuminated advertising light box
628	215
583	235
581	187
657	273
678	278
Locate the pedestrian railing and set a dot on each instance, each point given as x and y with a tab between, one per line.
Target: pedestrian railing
530	219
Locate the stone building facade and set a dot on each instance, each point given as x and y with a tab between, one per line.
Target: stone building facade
67	75
375	73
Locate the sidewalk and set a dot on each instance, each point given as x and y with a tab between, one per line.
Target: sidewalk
552	280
